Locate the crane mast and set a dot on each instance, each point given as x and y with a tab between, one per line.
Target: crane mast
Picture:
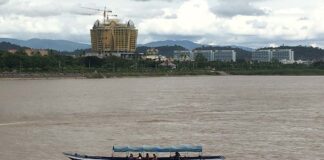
106	12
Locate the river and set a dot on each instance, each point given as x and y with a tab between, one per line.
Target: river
239	117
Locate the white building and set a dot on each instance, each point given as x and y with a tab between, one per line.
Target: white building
217	55
225	55
153	54
155	57
282	55
262	56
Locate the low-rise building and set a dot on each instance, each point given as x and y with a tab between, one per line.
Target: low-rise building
12	51
43	52
32	52
152	51
168	63
155	57
153	54
29	52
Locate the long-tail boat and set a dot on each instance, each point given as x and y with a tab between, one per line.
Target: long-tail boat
129	150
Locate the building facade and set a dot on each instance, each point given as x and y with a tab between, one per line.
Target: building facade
153	54
113	37
33	52
217	55
262	56
152	51
225	55
282	55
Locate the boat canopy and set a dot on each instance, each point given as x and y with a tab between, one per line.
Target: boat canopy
180	148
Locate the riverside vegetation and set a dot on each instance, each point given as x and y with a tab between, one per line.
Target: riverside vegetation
93	67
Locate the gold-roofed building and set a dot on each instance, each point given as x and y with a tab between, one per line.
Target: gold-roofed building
113	37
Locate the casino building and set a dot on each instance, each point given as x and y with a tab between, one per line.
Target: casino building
113	37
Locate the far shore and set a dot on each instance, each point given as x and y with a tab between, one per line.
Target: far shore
37	76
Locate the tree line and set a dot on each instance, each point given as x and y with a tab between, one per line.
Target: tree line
20	62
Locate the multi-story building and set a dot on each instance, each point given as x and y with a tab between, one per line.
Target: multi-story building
283	55
268	55
225	55
217	55
262	56
113	37
208	54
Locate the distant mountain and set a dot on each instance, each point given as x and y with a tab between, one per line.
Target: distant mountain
187	44
168	47
5	46
184	43
244	48
59	45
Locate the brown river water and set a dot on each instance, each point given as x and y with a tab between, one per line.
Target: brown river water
239	117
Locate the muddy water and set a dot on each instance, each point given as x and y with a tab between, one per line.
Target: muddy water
235	116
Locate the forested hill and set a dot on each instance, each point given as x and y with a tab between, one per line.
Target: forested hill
167	51
5	46
304	52
301	52
240	53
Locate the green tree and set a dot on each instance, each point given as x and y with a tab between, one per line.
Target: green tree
201	60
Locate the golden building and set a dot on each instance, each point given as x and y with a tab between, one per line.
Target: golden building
113	37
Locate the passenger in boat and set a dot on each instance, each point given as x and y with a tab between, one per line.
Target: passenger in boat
154	157
139	156
147	157
131	157
177	156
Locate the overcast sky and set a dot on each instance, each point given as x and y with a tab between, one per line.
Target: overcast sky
252	23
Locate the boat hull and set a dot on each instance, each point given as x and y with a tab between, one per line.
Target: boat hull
86	157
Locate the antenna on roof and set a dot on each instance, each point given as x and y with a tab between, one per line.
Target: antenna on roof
105	15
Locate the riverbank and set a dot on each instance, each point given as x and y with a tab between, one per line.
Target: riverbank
280	72
96	75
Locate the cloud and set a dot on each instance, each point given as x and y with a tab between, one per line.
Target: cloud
231	8
2	2
37	8
258	24
154	0
220	22
191	18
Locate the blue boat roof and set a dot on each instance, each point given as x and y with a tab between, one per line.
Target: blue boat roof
180	148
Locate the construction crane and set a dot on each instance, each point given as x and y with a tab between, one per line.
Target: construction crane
106	12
